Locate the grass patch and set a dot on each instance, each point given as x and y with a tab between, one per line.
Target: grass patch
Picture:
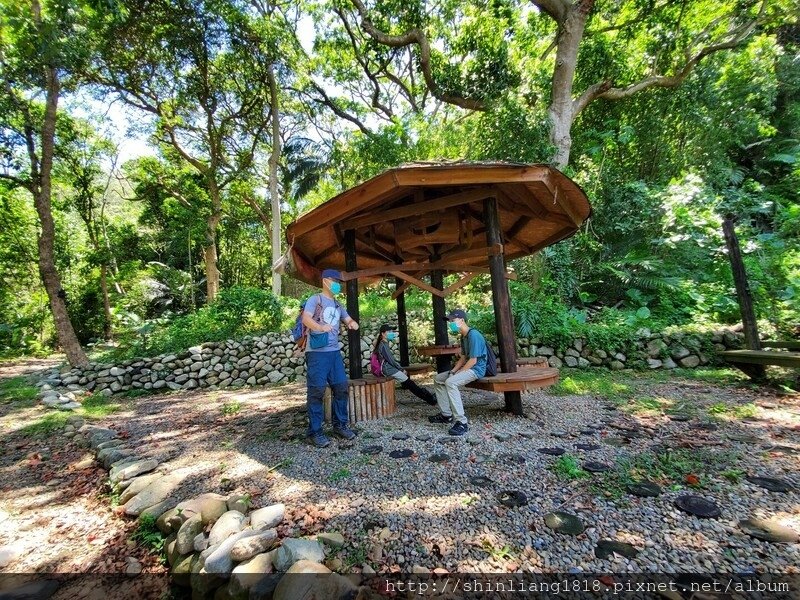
673	469
504	553
135	393
148	535
98	405
339	475
47	425
596	383
745	411
355	556
646	404
18	391
231	408
567	468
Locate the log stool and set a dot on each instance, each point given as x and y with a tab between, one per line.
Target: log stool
369	398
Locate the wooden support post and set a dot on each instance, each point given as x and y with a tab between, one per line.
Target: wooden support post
353	336
439	324
502	303
742	288
402	324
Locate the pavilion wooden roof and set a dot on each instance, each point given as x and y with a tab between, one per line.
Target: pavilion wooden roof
423	216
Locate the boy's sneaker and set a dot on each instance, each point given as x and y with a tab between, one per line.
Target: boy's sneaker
459	428
344	432
440	418
320	440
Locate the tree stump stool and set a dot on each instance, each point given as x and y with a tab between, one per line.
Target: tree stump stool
368	399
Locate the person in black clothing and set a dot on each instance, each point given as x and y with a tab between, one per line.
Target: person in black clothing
391	368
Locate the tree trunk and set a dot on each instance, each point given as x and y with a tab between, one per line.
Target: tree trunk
273	181
41	200
210	246
107	334
561	110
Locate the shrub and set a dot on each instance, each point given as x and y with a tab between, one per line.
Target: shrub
237	311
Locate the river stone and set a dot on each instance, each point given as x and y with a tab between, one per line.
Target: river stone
307	580
110	444
264	589
133	469
644	489
607	548
769	531
371	449
186	534
159	509
587	447
293	550
229	523
400	436
200	542
744	438
209	506
512	498
516	459
136	485
109	456
333	539
617	442
594	466
267	517
559	433
249	547
771	484
424	437
404	453
439	458
679	417
218	558
480	481
697	506
551	451
565	523
247	574
182	569
156	492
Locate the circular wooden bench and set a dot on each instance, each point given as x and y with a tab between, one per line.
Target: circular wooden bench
369	398
522	380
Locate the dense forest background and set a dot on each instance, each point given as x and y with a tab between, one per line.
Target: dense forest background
153	151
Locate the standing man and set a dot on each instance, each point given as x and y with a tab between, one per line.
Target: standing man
470	366
324	363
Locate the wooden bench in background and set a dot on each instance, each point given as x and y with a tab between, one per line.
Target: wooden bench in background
752	362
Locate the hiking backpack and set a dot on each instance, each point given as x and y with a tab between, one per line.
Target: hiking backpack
491	361
375	365
300	331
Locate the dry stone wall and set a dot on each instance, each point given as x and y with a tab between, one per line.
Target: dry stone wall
272	358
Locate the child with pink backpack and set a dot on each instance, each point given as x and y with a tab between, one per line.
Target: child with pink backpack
384	364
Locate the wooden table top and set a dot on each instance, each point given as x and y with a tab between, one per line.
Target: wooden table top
439	350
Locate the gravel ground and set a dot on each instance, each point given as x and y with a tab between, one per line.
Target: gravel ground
399	513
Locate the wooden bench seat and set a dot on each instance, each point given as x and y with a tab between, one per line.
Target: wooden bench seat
789	345
524	379
762	357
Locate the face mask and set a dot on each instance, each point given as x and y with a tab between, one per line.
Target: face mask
336	287
391	335
453	327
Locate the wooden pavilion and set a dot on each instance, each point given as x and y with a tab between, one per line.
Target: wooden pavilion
431	219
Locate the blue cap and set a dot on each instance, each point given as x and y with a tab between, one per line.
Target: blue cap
332	274
456	314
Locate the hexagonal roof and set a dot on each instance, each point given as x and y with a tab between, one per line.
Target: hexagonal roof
424	216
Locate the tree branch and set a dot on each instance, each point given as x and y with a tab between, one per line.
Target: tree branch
605	89
418	37
338	111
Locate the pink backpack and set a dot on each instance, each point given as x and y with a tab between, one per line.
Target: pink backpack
375	365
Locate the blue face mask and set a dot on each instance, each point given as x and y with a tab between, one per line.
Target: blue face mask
336	287
392	335
453	327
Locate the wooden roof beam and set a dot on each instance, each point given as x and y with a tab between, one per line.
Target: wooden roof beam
560	200
419	208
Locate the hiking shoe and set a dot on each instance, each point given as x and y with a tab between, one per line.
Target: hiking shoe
344	432
320	440
440	418
459	428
